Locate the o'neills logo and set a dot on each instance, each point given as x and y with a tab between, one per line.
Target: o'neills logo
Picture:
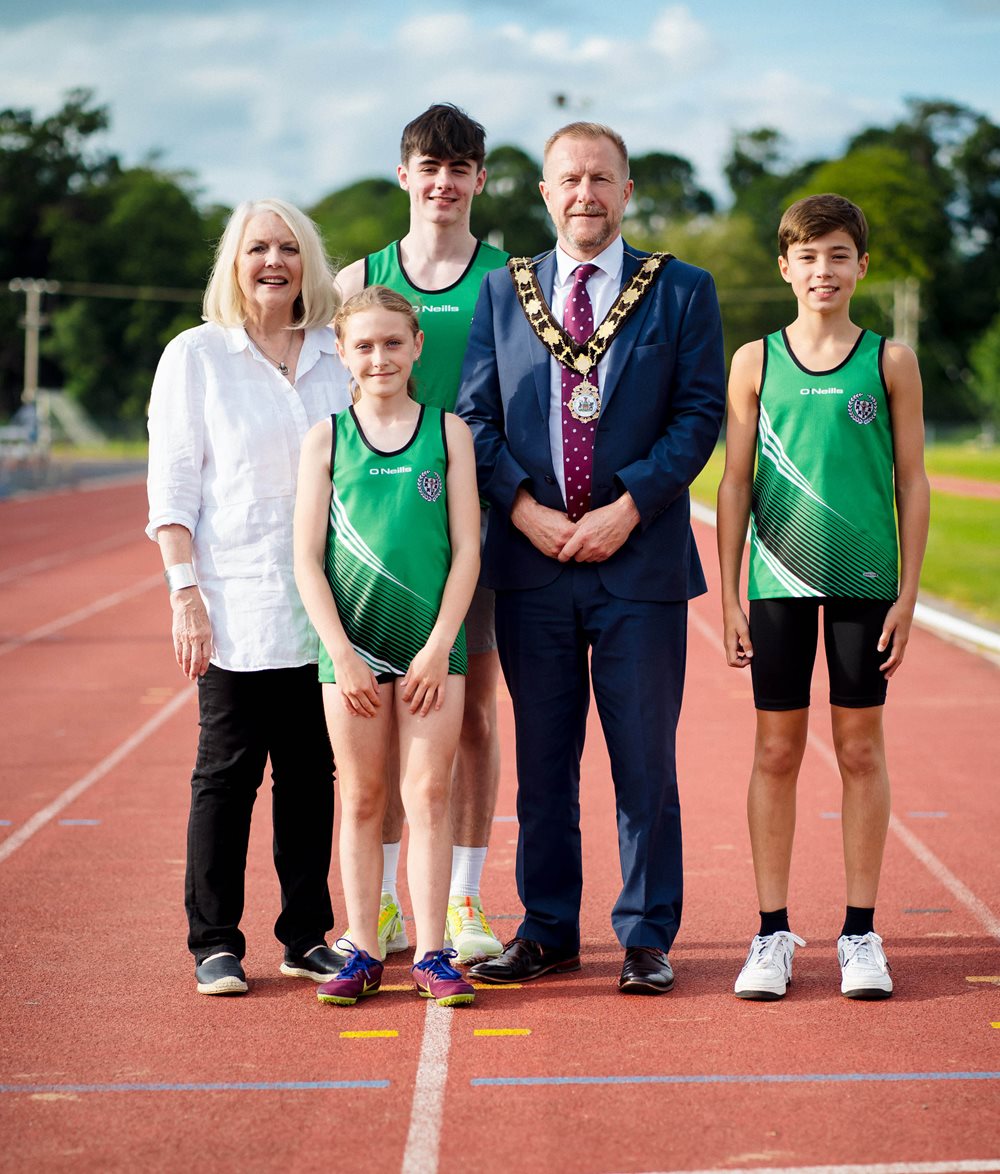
821	391
439	309
380	472
862	408
430	485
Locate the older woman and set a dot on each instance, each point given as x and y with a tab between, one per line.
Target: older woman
231	402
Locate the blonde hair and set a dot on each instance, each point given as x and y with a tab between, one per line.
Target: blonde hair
319	299
376	297
587	130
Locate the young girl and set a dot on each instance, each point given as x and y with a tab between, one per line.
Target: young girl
386	559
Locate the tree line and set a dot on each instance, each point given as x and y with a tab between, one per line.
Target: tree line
929	185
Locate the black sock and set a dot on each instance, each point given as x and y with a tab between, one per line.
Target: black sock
858	922
773	922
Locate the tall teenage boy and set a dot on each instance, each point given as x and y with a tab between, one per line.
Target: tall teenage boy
438	266
833	415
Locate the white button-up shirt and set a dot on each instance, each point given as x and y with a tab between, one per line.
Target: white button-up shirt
603	288
225	432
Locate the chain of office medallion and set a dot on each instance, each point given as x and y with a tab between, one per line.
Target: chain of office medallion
581	357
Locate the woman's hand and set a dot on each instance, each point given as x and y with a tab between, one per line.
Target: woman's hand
358	686
192	632
423	686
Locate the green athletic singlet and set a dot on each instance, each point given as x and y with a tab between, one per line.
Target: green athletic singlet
822	521
388	553
445	318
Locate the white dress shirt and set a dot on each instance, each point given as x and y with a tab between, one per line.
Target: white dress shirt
603	288
225	431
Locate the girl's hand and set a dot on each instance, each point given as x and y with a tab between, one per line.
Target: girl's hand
191	631
736	638
424	683
358	686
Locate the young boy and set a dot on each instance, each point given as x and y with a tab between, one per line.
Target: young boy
438	266
833	415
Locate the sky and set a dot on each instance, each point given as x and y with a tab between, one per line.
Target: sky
298	100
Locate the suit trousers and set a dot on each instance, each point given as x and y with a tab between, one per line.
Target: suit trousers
246	717
637	653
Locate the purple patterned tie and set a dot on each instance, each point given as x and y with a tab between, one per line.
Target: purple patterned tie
577	436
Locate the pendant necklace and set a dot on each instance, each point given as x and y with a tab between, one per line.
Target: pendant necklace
279	363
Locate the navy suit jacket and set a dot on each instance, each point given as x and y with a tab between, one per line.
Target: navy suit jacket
662	395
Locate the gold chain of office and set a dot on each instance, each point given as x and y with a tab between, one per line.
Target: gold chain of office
581	357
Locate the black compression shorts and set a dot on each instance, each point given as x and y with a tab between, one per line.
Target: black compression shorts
784	637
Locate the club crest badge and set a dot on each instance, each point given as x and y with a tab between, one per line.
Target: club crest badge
862	408
430	485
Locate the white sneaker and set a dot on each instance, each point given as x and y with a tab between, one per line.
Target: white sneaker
768	968
864	968
392	937
468	931
391	927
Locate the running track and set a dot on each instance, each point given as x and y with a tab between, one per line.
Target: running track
109	1061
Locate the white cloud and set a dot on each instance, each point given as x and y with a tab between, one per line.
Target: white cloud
258	102
677	36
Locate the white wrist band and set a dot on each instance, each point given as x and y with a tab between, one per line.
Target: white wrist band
180	575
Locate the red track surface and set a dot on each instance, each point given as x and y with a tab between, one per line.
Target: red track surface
98	994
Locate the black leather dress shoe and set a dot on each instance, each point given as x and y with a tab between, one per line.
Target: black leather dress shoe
523	959
645	971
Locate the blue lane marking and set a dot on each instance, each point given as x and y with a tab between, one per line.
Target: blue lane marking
79	823
749	1078
927	814
222	1086
505	819
829	815
926	910
5	823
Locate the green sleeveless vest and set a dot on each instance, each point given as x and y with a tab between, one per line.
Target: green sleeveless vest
388	553
822	521
445	317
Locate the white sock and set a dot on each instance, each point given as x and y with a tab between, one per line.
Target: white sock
390	866
466	870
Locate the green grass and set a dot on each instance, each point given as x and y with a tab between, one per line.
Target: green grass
964	460
962	564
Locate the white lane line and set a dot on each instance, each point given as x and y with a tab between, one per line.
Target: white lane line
82	613
423	1140
962	1166
65	556
946	625
937	868
24	833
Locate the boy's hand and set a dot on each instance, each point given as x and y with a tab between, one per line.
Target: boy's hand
423	686
895	634
736	638
358	686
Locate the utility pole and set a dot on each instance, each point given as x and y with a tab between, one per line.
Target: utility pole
33	321
906	311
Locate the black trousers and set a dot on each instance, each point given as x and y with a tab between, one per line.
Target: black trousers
245	717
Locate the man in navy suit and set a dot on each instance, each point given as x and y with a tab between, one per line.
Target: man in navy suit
595	394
